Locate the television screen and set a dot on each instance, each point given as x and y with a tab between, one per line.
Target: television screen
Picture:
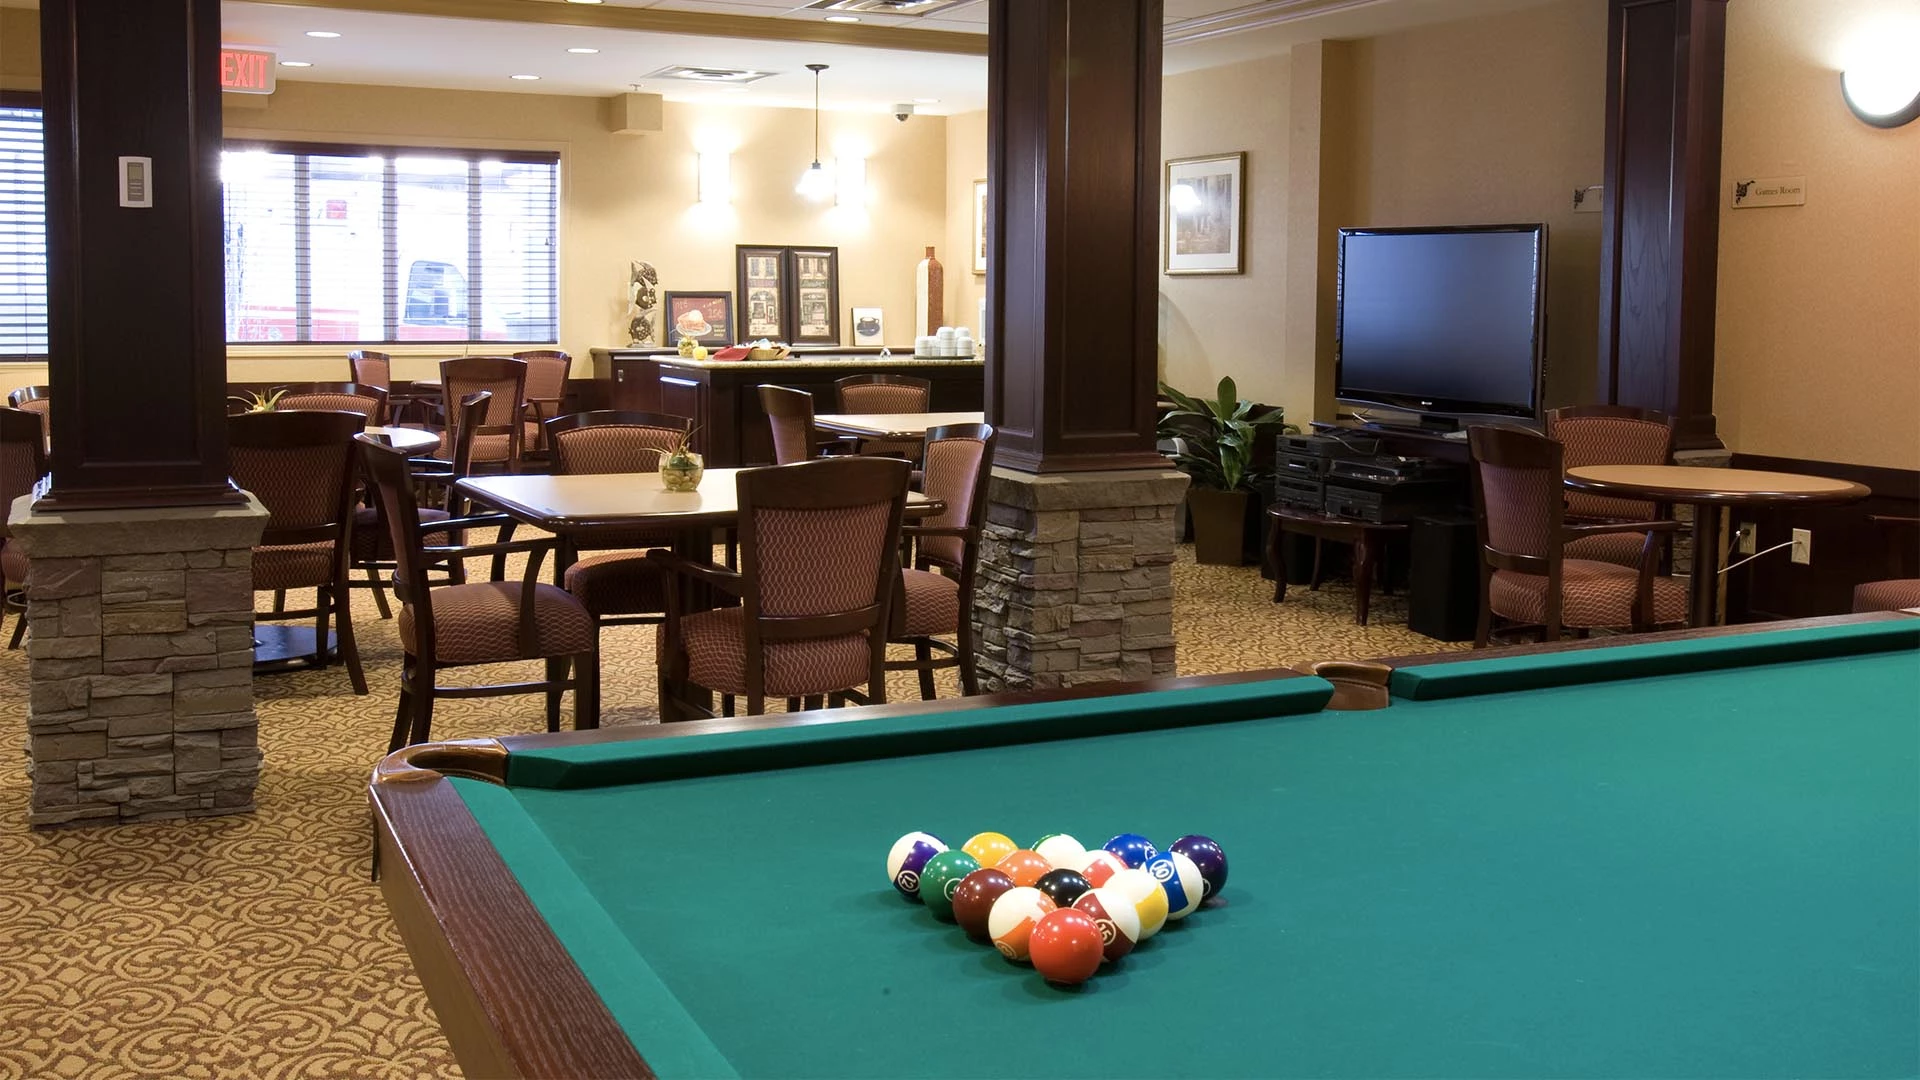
1442	320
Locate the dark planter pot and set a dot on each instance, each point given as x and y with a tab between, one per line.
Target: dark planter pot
1219	526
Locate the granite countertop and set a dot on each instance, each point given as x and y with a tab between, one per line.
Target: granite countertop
897	360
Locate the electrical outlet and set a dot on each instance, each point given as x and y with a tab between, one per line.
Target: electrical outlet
1803	546
1743	541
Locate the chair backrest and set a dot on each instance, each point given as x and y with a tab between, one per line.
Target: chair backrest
465	425
1518	483
1611	435
369	368
790	412
400	513
23	456
37	400
503	377
547	371
613	440
789	516
883	394
368	401
959	461
299	464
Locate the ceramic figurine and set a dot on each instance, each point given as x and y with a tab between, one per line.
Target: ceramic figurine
643	303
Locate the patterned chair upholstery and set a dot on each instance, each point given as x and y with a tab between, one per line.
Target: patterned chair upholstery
372	543
369	401
1526	575
301	466
618	588
369	368
1892	594
547	371
885	394
1610	435
37	400
936	597
23	459
501	439
806	625
479	623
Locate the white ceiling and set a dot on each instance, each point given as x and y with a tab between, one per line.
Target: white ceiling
476	54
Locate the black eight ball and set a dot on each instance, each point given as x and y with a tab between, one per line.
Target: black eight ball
1063	887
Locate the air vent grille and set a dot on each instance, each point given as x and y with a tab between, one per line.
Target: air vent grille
916	8
689	73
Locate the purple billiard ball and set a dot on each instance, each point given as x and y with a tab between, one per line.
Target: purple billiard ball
1132	848
1208	858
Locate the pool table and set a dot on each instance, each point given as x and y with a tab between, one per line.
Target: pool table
1684	854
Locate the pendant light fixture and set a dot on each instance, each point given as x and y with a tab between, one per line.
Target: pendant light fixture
815	183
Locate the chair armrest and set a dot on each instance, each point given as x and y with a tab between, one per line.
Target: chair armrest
936	530
483	521
1574	532
474	551
707	573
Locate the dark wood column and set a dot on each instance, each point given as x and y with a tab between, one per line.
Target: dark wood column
1659	255
1073	167
136	339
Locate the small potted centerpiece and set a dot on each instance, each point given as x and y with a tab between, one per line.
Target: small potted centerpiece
1216	440
681	468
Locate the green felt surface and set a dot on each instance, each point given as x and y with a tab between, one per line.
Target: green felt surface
1704	875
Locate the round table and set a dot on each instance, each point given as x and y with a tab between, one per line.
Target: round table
1709	491
406	439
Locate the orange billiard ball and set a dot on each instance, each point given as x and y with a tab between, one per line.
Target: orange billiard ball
1024	866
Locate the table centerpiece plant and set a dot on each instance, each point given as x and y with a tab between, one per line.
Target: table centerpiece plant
1216	442
681	468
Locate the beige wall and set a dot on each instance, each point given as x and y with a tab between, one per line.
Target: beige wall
1818	337
1212	326
19	49
966	162
1494	120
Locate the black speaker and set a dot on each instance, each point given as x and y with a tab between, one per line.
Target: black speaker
1443	587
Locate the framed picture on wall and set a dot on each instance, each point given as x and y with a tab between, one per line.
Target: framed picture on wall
1206	214
979	226
815	277
706	317
761	285
869	327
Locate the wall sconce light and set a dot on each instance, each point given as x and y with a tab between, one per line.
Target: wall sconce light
1883	87
850	182
716	177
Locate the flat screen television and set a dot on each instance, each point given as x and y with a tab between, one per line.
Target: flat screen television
1448	322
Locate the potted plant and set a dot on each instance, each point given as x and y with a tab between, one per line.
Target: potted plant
1216	440
681	468
253	402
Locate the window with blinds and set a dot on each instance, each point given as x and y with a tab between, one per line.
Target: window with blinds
383	245
23	232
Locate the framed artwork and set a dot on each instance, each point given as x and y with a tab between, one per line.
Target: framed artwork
761	281
1206	214
979	226
869	326
815	276
706	317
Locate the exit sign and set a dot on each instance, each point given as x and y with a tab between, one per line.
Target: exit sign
246	71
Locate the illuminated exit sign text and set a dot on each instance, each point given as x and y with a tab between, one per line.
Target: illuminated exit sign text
246	71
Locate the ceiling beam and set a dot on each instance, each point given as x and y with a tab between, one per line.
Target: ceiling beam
655	20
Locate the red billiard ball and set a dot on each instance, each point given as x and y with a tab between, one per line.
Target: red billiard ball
973	900
1066	946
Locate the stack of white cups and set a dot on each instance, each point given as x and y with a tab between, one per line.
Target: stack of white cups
948	341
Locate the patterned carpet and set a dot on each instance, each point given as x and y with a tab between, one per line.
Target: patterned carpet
256	946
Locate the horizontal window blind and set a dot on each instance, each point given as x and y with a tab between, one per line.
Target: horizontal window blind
390	245
23	234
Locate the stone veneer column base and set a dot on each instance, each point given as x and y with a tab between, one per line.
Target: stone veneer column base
140	662
1076	578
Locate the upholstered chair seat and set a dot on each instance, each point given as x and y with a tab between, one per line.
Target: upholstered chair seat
1621	549
292	566
1892	595
931	604
1610	435
619	588
13	563
1593	594
717	657
478	623
608	585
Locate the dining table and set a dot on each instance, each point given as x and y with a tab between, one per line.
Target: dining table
1709	491
577	507
405	439
892	426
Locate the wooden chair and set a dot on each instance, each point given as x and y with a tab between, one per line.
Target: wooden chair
372	542
478	623
547	371
959	461
625	588
1891	594
37	400
790	413
885	394
366	399
23	461
301	466
807	624
502	439
1611	435
1526	575
369	368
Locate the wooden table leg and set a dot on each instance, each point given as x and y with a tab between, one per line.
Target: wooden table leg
1705	583
1365	554
1277	554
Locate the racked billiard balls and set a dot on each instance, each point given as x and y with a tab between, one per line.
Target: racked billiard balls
1063	886
988	848
973	900
1141	890
940	879
1133	849
1060	849
908	856
1119	923
1180	880
1208	857
1100	865
1024	867
1013	918
1065	946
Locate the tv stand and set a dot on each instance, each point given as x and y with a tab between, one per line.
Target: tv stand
1410	440
1427	424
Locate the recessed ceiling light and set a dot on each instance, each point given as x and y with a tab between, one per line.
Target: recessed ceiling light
321	33
926	101
583	52
294	63
843	18
525	78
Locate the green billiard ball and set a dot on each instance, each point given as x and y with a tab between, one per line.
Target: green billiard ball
940	879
